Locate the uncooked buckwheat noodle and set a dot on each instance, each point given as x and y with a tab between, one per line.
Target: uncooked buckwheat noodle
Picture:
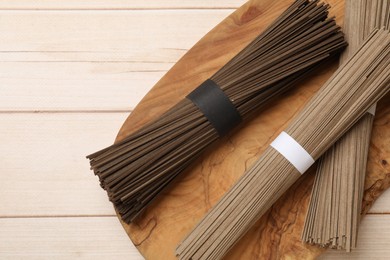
338	105
135	170
334	211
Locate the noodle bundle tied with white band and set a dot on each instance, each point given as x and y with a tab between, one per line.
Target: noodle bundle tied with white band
336	107
293	152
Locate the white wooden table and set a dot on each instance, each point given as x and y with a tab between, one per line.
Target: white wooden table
70	73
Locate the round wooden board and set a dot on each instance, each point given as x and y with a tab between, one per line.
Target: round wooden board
277	234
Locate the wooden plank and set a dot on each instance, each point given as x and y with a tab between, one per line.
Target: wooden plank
37	62
382	204
65	238
43	170
137	58
373	241
103	238
117	5
151	36
92	86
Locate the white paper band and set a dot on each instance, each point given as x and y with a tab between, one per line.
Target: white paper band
372	110
293	152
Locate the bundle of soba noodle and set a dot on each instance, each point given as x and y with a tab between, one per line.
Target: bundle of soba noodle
338	105
137	169
334	211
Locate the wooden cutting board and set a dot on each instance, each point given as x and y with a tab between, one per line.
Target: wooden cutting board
277	234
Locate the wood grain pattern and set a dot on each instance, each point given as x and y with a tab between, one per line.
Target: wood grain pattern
40	175
43	166
381	205
108	69
277	234
75	60
103	36
373	238
103	238
64	238
74	86
116	5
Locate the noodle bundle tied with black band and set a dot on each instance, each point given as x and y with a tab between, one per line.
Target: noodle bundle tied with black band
135	170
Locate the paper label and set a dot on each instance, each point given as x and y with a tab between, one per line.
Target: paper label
293	152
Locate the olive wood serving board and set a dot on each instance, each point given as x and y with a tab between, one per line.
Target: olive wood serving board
277	234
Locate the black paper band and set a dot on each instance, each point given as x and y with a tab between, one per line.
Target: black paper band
216	106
